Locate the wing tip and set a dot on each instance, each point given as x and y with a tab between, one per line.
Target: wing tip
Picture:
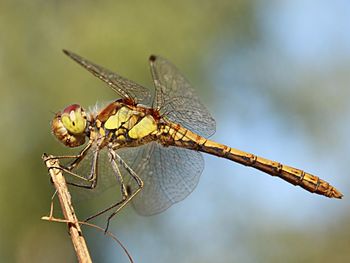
65	51
152	58
70	54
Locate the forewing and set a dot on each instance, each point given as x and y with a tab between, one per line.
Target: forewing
127	89
169	174
177	100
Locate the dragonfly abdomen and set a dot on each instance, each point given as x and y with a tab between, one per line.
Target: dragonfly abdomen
187	139
290	174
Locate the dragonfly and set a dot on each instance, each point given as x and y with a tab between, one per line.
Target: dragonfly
156	141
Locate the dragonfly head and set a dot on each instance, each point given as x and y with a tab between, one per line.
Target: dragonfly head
69	125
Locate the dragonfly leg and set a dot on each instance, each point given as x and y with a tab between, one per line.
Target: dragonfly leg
127	195
91	178
118	175
130	194
77	158
123	189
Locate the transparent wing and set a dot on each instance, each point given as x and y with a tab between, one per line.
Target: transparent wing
169	174
124	87
177	99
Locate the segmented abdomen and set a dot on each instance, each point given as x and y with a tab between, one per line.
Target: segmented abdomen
181	137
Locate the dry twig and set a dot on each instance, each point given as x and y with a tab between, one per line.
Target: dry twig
64	197
111	235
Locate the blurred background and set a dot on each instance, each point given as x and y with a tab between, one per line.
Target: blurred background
274	74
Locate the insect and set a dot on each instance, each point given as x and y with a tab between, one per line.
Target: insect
157	142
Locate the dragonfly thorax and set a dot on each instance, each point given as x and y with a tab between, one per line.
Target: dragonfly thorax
69	125
123	122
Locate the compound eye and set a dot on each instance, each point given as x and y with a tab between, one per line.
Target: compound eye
74	119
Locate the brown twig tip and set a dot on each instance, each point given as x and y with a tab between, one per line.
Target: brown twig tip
64	197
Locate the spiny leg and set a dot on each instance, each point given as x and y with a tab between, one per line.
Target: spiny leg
77	158
123	189
132	195
91	178
126	195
